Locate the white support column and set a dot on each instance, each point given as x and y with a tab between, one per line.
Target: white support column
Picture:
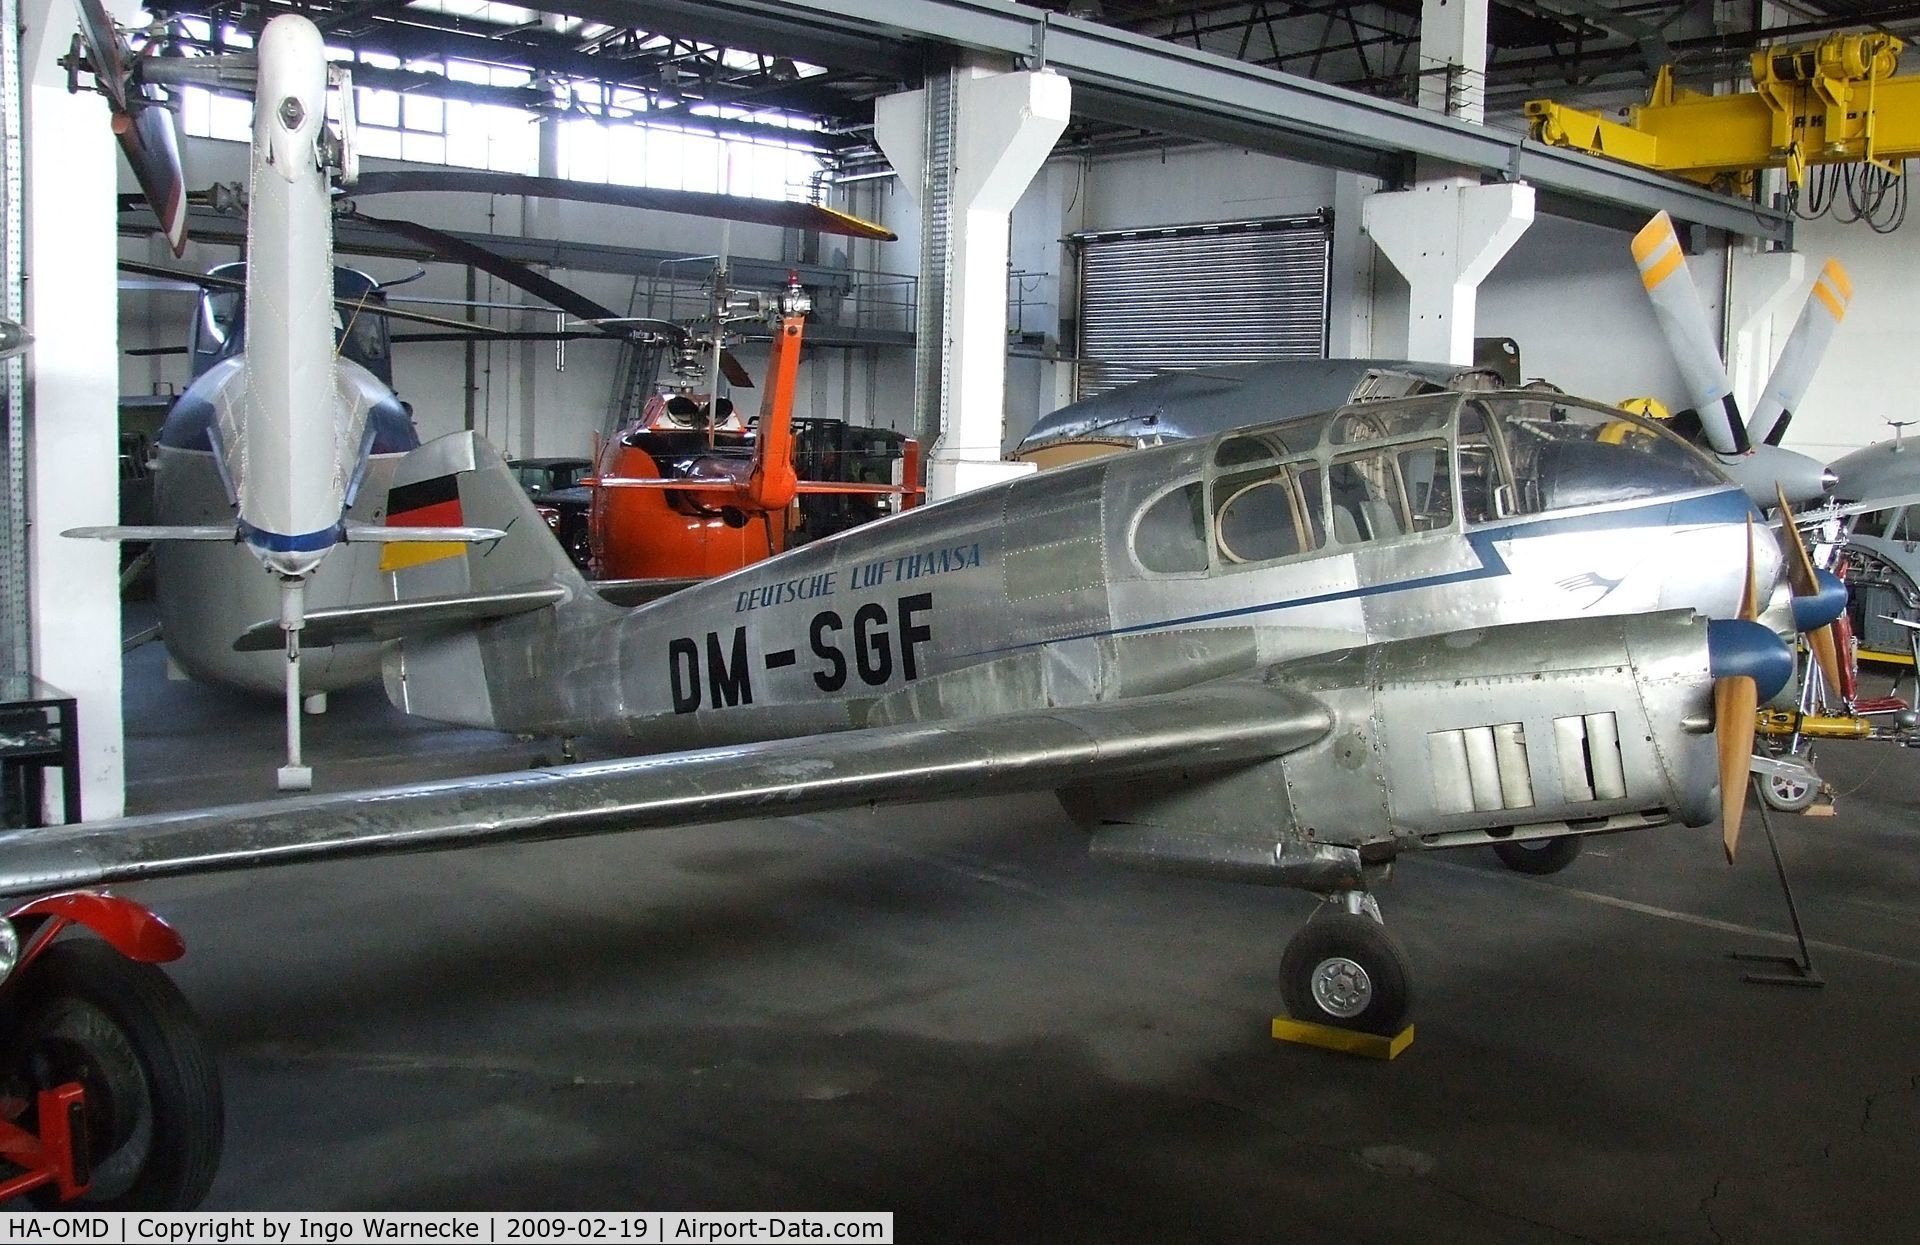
1761	285
1006	124
73	394
1350	270
1447	232
1445	237
1453	58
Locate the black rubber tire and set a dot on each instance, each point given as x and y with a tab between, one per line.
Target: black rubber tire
1788	795
84	1012
1539	856
1365	943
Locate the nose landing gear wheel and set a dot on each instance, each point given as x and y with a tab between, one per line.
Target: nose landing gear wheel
1538	856
1348	972
1788	793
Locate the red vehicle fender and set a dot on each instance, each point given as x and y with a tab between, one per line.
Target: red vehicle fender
128	927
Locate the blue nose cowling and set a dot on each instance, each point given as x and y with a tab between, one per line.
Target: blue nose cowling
1736	646
1824	606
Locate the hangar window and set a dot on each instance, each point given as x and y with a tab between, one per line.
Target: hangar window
1171	536
483	118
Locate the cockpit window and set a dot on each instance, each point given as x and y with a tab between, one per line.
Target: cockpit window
364	337
1356	425
1872	523
218	310
1562	453
1171	536
1399	490
1271	513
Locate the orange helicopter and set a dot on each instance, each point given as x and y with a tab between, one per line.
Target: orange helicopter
690	491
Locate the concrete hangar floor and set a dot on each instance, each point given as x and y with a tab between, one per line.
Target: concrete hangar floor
952	1013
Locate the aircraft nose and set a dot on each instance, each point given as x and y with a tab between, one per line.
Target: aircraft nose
1822	606
1828	480
1736	646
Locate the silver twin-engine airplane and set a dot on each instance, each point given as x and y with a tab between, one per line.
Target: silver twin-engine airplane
1284	654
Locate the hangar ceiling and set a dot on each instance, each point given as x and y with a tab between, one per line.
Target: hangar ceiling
669	58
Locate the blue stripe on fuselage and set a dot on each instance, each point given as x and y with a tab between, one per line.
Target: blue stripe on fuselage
1724	506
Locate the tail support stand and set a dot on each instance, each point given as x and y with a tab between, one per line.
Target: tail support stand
1792	971
293	776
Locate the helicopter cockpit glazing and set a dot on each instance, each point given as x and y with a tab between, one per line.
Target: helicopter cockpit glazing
360	327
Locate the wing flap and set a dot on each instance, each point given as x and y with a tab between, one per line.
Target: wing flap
1213	726
389	620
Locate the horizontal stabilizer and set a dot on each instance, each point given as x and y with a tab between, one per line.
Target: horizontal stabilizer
372	533
228	533
389	620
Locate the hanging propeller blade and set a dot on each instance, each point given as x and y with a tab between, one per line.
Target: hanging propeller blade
1683	321
144	126
775	212
1825	308
1807	587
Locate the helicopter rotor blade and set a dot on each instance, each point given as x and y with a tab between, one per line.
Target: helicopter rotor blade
210	281
775	212
518	275
143	125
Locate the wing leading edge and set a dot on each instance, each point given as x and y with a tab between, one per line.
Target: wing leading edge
1212	726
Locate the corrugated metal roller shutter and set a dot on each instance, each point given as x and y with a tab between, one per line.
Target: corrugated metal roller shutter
1200	296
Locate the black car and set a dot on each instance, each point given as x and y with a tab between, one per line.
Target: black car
540	476
554	485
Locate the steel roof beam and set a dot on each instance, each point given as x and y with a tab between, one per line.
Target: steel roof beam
1136	80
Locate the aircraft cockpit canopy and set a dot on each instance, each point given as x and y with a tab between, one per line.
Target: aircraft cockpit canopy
360	329
1401	470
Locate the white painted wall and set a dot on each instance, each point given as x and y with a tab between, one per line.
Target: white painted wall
1869	375
1570	295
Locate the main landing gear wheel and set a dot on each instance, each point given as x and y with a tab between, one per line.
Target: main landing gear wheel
1788	793
1346	971
1539	856
84	1013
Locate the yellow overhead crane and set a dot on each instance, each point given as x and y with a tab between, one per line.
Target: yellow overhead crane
1837	100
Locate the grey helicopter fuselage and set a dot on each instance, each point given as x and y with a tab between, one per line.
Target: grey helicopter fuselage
1131	574
208	593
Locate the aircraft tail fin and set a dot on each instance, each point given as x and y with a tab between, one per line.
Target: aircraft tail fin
472	618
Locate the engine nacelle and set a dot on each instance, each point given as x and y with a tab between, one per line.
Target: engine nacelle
1515	732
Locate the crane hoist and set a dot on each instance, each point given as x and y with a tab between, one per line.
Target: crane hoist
1836	100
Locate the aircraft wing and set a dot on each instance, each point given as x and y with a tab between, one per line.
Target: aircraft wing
388	620
1211	726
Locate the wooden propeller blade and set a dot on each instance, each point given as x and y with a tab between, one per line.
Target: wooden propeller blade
1801	577
1736	701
